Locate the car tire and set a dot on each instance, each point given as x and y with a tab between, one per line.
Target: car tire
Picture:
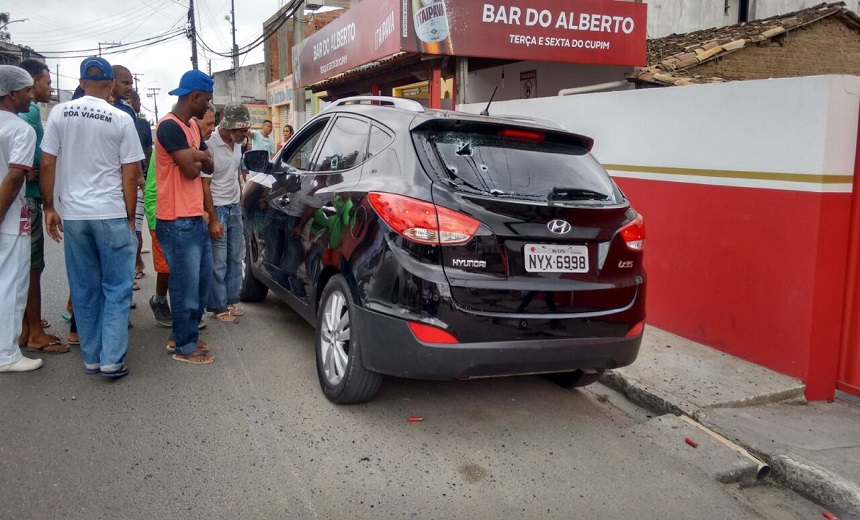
253	290
575	379
343	378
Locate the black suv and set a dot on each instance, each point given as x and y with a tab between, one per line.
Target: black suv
434	244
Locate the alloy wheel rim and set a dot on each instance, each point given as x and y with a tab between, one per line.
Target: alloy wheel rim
335	336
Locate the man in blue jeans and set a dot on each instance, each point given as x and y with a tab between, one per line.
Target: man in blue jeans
94	149
180	158
221	200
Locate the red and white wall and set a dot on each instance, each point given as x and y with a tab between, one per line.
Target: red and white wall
747	192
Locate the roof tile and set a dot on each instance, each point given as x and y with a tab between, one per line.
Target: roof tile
668	57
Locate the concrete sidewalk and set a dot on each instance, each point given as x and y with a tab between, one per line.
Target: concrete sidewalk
812	448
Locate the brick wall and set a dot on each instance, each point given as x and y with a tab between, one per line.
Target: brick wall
825	47
278	49
273	53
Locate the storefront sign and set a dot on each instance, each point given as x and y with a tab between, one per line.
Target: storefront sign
603	32
259	113
280	92
365	33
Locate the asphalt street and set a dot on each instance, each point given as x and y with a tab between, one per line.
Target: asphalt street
252	436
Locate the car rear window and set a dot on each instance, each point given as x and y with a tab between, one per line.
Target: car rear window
523	165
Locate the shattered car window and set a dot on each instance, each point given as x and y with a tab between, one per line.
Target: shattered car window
511	167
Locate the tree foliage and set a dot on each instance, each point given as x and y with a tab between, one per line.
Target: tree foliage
4	34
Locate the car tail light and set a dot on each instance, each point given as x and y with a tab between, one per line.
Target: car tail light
634	234
522	134
423	222
635	330
428	334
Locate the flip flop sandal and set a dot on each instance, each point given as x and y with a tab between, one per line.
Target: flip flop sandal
135	287
46	348
235	311
91	371
116	374
198	357
133	305
202	345
67	316
138	275
74	341
224	316
46	324
144	250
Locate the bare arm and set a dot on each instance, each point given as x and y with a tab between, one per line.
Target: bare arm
9	189
148	153
206	161
53	222
189	163
216	230
130	176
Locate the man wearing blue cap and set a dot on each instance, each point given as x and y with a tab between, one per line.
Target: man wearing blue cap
180	157
93	147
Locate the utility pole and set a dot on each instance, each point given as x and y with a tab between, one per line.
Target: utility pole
235	53
193	35
153	93
136	85
298	104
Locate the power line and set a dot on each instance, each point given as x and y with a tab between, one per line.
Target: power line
116	22
290	12
83	53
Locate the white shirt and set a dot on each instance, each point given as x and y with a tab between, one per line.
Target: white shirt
17	147
92	140
225	176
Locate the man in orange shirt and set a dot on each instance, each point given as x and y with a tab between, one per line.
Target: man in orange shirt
180	155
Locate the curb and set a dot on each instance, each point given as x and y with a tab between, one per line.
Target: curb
816	484
803	477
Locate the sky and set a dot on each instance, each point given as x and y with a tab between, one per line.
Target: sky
62	25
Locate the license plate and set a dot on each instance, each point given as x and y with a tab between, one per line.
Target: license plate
542	258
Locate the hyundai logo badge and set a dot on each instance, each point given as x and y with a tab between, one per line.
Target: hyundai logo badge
559	227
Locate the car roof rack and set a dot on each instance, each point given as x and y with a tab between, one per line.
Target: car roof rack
405	104
529	119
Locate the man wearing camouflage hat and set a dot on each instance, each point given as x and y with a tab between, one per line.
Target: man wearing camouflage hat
221	201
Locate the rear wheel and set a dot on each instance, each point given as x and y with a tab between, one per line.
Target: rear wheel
253	290
575	379
343	378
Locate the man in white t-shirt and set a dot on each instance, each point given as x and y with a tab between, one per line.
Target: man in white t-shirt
98	153
17	147
221	202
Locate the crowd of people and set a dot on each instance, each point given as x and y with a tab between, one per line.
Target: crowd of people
94	173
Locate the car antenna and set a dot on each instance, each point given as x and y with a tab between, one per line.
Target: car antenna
486	111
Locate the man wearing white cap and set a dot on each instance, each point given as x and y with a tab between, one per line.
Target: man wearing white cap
17	148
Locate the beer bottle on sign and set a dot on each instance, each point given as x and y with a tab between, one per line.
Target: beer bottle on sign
432	31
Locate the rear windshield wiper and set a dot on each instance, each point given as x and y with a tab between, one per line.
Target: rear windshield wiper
562	193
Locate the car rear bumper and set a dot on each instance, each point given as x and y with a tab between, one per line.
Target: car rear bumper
389	347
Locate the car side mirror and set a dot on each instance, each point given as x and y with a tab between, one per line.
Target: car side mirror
258	161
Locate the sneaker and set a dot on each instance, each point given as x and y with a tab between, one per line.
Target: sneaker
161	310
24	364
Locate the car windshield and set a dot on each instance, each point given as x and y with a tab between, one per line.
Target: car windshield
517	168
